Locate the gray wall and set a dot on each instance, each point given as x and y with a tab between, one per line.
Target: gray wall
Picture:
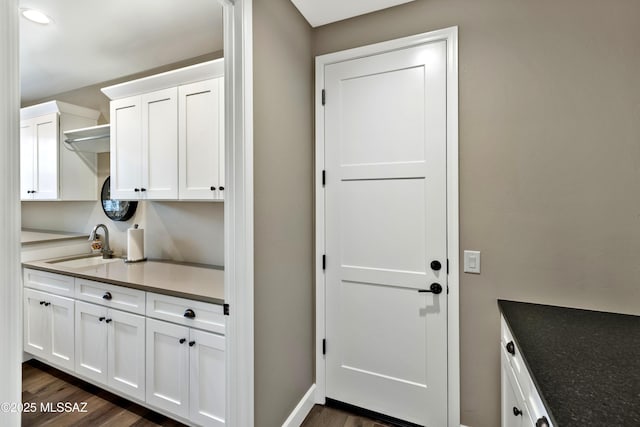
283	144
549	158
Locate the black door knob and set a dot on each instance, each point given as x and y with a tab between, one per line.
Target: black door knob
213	188
189	314
221	188
435	288
136	189
516	411
42	302
100	319
192	343
435	265
107	296
109	320
183	340
143	189
542	422
511	348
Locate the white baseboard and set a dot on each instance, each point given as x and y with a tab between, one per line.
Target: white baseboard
302	409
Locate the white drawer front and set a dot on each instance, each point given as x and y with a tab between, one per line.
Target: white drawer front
118	297
49	282
209	317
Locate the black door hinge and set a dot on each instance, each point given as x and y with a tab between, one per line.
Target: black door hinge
324	177
324	97
324	262
225	308
447	265
324	346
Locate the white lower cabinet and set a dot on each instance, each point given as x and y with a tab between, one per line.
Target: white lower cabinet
186	372
110	348
48	327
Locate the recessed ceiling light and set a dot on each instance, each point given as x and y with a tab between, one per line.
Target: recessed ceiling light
36	16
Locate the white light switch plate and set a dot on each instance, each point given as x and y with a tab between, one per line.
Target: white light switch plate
472	262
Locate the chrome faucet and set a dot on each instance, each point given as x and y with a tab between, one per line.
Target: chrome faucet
106	250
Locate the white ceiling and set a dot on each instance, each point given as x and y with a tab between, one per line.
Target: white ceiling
93	41
321	12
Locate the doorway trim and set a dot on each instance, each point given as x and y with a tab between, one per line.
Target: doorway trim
450	36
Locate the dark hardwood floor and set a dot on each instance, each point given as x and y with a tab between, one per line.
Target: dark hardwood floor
43	385
323	416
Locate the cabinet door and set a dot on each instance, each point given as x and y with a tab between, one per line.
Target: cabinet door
46	157
514	412
201	139
62	313
160	144
126	353
207	383
91	341
126	148
27	159
168	367
36	333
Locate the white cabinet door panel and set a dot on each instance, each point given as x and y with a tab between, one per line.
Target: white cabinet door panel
168	367
91	341
62	315
160	144
46	139
126	351
36	324
126	148
207	384
27	159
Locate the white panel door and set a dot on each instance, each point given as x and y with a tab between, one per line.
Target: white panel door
160	144
27	159
91	341
168	367
125	350
36	324
61	326
46	148
126	148
201	139
207	384
385	157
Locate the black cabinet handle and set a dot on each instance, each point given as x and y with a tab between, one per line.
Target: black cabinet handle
42	302
183	340
143	189
213	188
435	288
107	296
136	189
100	319
221	188
435	265
109	320
47	304
511	348
192	343
189	314
516	411
542	422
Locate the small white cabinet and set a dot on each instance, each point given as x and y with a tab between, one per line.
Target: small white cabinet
110	348
167	135
186	372
49	168
48	320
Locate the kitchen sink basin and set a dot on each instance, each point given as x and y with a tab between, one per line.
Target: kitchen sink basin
85	262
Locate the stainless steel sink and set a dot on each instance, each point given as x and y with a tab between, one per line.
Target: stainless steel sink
85	262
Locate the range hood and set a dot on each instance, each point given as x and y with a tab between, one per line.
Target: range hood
94	139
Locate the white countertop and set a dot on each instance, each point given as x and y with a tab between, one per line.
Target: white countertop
201	283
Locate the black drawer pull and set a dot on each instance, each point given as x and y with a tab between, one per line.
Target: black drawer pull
42	302
542	422
511	348
192	343
189	314
516	411
107	296
100	319
183	340
109	320
213	188
136	190
143	189
221	188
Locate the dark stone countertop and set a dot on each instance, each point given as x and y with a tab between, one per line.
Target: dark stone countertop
585	364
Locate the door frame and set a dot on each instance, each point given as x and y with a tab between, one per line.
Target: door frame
450	36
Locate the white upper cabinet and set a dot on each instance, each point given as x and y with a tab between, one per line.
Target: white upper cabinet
167	135
49	168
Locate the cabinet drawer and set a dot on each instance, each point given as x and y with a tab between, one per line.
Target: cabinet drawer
209	317
119	297
49	282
